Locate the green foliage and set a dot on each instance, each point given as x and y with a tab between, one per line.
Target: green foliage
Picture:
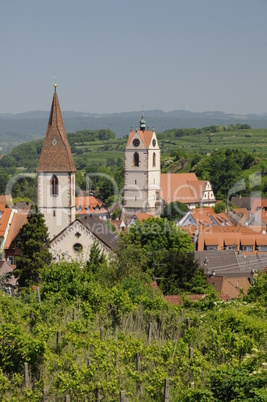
228	340
223	168
174	211
180	271
34	243
219	207
4	177
258	291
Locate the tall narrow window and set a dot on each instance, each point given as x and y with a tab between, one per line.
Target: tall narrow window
136	159
154	159
54	185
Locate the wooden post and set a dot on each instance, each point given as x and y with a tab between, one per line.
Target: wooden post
67	398
149	334
89	361
190	352
98	395
122	396
74	314
188	323
26	375
45	395
192	385
101	334
167	390
58	340
182	314
38	295
138	368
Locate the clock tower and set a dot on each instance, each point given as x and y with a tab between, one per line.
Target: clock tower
56	174
142	172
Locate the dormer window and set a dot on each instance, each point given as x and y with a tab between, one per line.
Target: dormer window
136	159
54	185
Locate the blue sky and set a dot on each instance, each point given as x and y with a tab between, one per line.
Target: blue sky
117	55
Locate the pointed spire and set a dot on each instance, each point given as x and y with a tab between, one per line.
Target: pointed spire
56	154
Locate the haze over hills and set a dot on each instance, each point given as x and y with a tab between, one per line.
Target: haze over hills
18	128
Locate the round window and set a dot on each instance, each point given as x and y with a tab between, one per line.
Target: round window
136	142
78	247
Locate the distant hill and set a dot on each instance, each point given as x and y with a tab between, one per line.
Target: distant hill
18	128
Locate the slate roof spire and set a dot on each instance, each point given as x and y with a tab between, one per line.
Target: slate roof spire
56	154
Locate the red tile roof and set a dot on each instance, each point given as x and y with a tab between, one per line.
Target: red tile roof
143	216
145	136
56	154
6	212
18	220
89	205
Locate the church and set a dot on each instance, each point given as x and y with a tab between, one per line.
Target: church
70	238
146	189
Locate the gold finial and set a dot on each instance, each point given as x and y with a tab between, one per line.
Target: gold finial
55	84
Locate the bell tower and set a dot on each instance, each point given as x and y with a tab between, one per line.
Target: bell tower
56	174
142	172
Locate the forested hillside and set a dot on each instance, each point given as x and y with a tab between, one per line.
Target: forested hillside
233	158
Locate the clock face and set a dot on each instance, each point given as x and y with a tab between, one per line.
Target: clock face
154	142
136	142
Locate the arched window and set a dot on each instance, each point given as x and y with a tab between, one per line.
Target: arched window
154	159
54	185
136	159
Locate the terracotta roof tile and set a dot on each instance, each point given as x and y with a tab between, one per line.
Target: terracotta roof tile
145	136
56	154
5	215
182	187
18	220
143	216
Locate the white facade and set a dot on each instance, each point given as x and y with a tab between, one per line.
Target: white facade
75	243
57	203
208	198
142	173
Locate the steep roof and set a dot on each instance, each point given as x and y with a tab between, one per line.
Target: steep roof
86	201
100	230
56	154
19	219
145	137
4	218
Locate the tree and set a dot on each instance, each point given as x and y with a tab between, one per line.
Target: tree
3	181
219	207
96	259
180	271
150	240
258	290
34	243
174	211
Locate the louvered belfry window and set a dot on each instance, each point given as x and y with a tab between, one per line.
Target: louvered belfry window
54	185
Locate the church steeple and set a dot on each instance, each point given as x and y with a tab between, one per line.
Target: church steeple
56	174
56	153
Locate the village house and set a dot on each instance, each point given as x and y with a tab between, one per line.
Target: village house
187	189
6	216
